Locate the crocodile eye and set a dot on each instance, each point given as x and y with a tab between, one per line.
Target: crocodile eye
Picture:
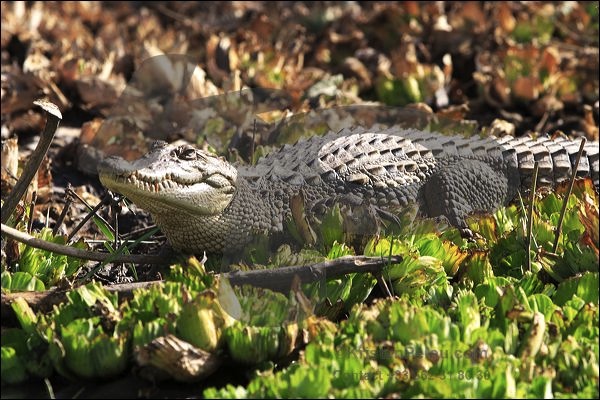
187	153
157	144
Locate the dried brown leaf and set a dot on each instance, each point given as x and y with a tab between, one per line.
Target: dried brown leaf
44	181
454	113
526	88
89	130
500	127
588	123
471	10
588	215
10	160
506	20
356	68
550	60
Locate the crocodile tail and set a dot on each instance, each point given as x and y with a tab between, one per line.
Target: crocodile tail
556	159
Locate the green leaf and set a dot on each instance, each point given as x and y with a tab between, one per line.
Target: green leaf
105	229
47	266
12	368
339	250
252	344
587	288
543	304
22	282
201	322
332	227
477	268
468	312
144	333
92	353
307	382
25	315
109	355
227	392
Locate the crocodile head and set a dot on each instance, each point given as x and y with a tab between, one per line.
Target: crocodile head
173	179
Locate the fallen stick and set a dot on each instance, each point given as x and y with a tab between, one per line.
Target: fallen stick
78	253
278	279
53	119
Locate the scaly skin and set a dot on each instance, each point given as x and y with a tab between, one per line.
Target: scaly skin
203	203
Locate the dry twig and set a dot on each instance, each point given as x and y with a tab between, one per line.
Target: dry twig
279	279
54	118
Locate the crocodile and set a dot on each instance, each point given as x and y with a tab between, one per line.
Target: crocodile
203	203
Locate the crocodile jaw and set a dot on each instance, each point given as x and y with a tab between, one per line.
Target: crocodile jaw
180	179
198	199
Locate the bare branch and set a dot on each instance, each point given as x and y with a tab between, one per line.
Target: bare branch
78	253
567	195
279	279
54	117
530	214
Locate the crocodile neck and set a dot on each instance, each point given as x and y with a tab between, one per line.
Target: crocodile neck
247	215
